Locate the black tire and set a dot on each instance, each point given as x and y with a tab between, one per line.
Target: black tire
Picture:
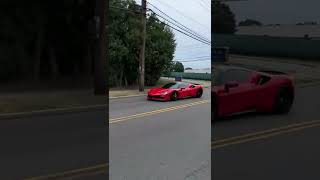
174	96
199	93
214	110
214	116
283	101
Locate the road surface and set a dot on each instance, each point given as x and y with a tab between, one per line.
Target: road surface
152	140
68	145
264	147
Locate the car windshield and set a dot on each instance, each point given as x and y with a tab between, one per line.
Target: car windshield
216	77
171	86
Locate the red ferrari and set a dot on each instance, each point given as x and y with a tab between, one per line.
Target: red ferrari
237	90
174	91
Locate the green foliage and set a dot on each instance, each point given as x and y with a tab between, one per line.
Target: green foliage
125	41
223	19
250	22
30	28
177	67
196	76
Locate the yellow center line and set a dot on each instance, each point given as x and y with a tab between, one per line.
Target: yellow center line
264	134
121	119
77	173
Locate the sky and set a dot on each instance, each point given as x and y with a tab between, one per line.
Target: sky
277	11
196	15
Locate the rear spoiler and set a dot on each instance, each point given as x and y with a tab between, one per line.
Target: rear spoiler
289	75
273	72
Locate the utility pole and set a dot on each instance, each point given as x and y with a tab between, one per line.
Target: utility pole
100	61
143	45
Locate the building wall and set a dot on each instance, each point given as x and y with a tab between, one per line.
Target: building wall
269	46
281	31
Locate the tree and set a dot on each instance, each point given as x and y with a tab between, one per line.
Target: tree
43	39
250	22
223	19
178	67
124	43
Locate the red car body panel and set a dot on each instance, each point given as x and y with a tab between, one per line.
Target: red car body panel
251	95
164	94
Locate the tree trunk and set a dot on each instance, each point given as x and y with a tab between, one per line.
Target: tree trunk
121	78
53	64
38	52
125	81
87	65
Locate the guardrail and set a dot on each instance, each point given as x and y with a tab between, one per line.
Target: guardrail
196	76
270	46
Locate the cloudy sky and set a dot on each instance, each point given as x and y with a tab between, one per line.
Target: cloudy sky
196	15
277	11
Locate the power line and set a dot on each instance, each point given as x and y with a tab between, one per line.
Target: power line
190	45
185	33
200	57
182	29
189	48
194	60
179	12
204	5
203	58
188	29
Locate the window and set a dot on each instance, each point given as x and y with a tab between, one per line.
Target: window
170	86
237	75
183	85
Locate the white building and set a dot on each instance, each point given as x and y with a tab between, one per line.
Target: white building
313	31
206	70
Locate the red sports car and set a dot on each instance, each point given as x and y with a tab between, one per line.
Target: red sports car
237	90
174	91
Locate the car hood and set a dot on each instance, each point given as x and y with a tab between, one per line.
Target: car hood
158	90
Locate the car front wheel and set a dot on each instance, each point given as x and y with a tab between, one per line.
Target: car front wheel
283	101
174	96
199	93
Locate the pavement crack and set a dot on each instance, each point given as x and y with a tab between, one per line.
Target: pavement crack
197	174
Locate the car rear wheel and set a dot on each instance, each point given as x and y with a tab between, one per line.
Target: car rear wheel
174	96
283	101
214	110
199	93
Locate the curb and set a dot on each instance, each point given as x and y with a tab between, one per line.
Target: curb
308	84
119	97
57	111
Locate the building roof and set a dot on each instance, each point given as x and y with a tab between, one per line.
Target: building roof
313	31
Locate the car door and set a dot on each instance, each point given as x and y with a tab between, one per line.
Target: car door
239	97
192	90
183	90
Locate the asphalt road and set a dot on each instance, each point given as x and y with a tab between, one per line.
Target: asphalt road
256	146
68	145
152	140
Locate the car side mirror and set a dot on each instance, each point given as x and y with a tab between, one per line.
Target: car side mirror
182	89
255	79
229	85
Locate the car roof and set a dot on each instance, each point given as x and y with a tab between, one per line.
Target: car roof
178	82
226	67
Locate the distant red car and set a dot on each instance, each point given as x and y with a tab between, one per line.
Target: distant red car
174	91
236	90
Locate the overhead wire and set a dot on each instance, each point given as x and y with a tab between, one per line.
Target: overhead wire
182	14
182	30
188	29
